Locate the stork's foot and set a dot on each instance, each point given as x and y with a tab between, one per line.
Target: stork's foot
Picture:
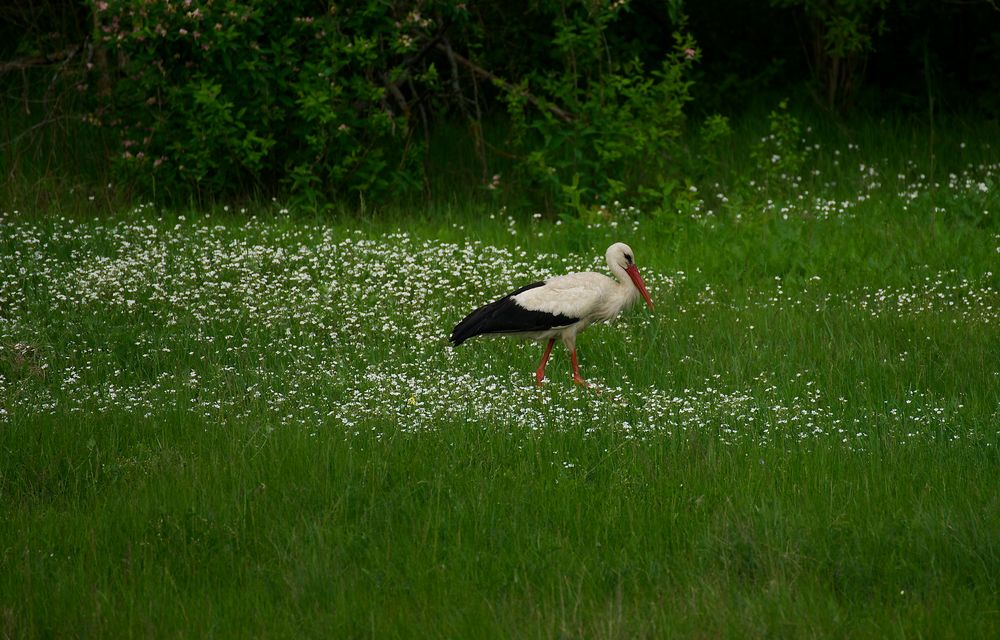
589	386
577	378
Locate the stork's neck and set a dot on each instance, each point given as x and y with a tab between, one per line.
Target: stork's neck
619	273
626	289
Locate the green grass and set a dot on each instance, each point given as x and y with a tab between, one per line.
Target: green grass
459	532
219	427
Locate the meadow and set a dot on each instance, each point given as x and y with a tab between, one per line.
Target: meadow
225	422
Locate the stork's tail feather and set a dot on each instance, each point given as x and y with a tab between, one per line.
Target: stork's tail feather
471	326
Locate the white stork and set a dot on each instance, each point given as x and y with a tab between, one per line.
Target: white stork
561	307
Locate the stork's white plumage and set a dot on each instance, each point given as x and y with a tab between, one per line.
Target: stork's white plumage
560	307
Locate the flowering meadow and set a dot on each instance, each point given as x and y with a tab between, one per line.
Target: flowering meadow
320	328
252	423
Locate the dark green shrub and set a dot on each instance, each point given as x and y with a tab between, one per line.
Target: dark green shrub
324	100
842	36
616	130
227	97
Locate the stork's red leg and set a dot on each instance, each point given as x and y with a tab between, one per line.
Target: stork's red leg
540	373
577	378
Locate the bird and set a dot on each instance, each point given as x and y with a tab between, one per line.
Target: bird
560	307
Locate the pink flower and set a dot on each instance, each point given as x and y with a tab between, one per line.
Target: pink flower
690	53
182	31
102	6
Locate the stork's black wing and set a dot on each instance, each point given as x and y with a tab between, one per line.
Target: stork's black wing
507	316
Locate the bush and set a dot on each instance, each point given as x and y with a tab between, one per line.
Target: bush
327	99
226	97
842	36
616	132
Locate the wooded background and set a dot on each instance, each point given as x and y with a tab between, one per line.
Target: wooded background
572	100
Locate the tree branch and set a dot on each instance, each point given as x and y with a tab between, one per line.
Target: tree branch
479	71
35	61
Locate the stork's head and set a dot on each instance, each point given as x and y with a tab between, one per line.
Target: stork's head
621	258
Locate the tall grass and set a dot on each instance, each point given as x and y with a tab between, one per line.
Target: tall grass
221	425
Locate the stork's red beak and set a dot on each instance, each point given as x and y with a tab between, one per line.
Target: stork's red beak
633	273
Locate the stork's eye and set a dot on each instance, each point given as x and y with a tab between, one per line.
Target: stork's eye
628	258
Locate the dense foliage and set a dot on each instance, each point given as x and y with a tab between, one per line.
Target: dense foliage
569	104
222	95
328	100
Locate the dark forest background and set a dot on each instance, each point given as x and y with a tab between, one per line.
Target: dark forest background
568	101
